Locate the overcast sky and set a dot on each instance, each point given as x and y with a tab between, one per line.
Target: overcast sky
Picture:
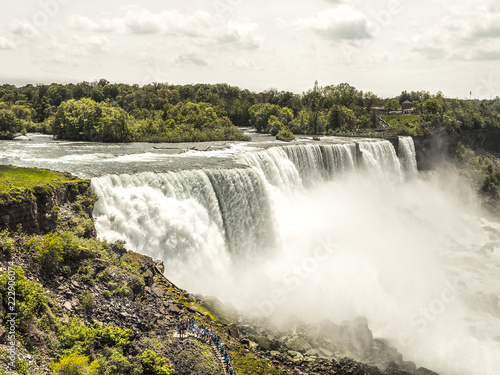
384	46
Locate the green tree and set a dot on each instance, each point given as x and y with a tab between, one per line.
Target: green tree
9	124
85	119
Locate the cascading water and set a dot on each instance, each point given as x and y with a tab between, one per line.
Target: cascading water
326	231
406	152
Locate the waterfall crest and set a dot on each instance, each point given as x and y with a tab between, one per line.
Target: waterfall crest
407	155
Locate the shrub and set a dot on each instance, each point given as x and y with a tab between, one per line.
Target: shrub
74	364
285	135
111	335
30	297
74	336
6	243
50	252
87	301
154	364
114	362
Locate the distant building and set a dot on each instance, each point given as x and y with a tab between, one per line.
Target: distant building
407	107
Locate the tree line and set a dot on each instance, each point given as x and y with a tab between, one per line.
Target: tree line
161	112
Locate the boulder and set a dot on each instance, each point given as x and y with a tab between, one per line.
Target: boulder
262	342
298	344
233	331
160	267
424	371
224	313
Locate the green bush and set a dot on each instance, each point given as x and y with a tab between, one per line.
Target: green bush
74	336
75	364
155	364
111	335
30	296
113	362
285	135
50	252
87	301
6	243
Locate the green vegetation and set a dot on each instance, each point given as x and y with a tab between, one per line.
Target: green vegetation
479	170
154	364
17	183
31	302
75	364
106	112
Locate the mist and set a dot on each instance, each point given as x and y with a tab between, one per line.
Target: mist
411	253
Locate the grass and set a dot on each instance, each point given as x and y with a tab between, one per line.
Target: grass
407	118
16	183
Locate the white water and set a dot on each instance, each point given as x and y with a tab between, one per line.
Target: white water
318	232
406	151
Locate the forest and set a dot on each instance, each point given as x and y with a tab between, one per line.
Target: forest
107	112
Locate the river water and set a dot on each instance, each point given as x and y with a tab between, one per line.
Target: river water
319	230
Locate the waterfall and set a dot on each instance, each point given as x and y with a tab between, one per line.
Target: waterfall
205	212
323	231
407	156
291	166
380	157
175	214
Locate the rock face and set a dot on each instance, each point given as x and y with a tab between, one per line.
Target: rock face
38	212
431	150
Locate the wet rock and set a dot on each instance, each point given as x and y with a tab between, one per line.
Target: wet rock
233	331
159	266
325	352
357	335
67	306
158	291
424	371
224	313
298	344
263	342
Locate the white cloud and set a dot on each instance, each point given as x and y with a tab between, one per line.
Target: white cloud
191	58
240	63
341	23
207	28
24	29
6	43
470	31
92	44
104	25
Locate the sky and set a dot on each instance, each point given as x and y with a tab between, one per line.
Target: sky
383	46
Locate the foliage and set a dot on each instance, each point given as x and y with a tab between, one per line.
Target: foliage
84	119
21	183
87	300
285	135
187	122
6	243
103	111
9	124
111	335
113	362
265	116
30	302
75	364
74	337
154	364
